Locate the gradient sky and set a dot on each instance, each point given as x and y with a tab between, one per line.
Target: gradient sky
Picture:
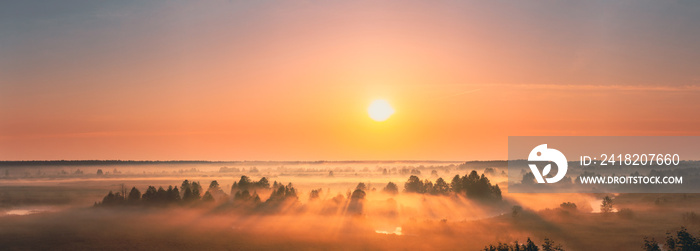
265	80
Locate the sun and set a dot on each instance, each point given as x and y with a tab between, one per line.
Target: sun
380	110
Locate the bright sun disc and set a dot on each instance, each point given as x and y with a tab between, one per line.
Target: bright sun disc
380	110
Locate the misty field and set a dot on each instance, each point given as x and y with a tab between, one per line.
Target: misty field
315	206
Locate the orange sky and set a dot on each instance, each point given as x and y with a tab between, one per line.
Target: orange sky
292	81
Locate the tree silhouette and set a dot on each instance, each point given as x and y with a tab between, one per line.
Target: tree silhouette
134	195
263	183
99	172
216	192
187	195
214	185
607	205
356	201
568	206
683	241
245	183
113	199
173	194
414	185
391	188
650	245
361	186
428	187
315	194
456	184
530	246
150	194
196	190
184	187
549	245
441	187
207	197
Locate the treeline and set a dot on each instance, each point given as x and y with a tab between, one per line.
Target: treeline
548	245
243	190
474	186
681	240
188	192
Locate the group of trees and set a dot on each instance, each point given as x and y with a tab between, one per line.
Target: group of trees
188	192
243	191
391	188
548	245
415	185
682	241
246	183
281	192
474	186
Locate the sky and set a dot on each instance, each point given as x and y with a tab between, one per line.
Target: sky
292	80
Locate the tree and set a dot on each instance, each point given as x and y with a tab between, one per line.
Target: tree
244	183
441	187
161	195
173	194
283	193
99	172
651	245
549	245
456	184
607	205
187	195
358	194
391	188
263	183
356	202
361	186
427	187
208	197
475	186
413	185
216	191
214	185
530	246
196	190
185	185
150	194
568	206
683	241
134	195
315	194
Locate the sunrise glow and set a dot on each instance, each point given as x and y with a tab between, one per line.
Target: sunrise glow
380	110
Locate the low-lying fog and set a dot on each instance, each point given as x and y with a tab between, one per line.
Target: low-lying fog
60	206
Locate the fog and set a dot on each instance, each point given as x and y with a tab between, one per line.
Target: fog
53	210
